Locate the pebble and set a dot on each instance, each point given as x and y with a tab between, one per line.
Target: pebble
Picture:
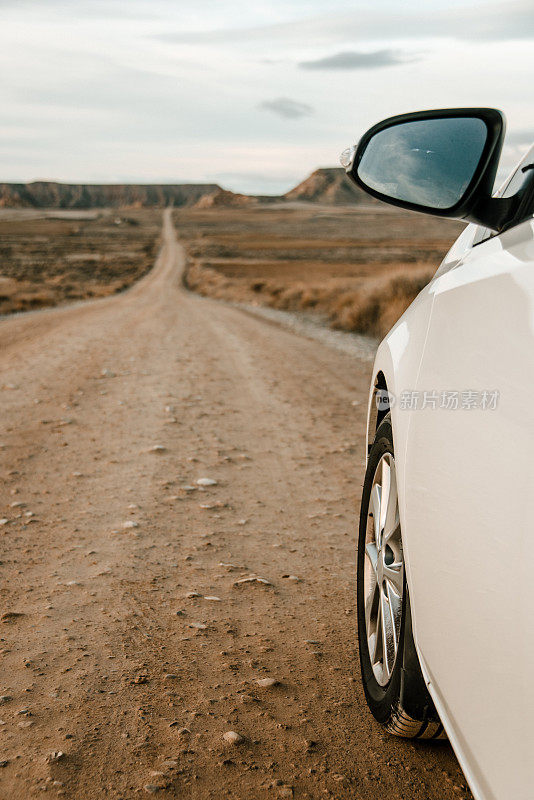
285	791
130	523
55	756
212	598
4	521
151	788
190	595
157	448
232	737
171	676
252	579
206	482
9	616
107	373
4	762
198	625
267	683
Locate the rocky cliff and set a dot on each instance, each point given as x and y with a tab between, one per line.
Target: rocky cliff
329	185
45	194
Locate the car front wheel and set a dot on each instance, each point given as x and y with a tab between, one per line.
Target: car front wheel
393	683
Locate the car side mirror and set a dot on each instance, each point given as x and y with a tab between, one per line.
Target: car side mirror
438	162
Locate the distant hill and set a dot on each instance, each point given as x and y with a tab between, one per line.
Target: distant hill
329	185
46	194
223	198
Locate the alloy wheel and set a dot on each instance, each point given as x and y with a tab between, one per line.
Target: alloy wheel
383	571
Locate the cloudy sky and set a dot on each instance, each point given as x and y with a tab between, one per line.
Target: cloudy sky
252	95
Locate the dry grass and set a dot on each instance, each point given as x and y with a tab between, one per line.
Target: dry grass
50	260
358	269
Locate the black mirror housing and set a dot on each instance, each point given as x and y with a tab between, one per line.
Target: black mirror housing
390	147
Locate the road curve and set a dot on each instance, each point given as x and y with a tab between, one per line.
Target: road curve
119	674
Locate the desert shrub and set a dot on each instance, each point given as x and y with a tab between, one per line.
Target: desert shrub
375	310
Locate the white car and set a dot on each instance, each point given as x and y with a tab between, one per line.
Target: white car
446	539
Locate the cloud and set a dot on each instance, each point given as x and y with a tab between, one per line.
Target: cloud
287	108
520	137
355	60
489	21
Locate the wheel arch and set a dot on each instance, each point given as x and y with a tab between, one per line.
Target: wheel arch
375	414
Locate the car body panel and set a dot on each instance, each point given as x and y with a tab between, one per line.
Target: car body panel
467	500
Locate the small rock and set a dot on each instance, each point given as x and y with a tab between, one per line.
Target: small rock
130	523
4	521
212	598
171	676
285	791
198	625
4	763
54	757
107	373
267	683
252	579
5	698
10	616
157	448
151	788
190	595
180	731
206	482
232	737
140	679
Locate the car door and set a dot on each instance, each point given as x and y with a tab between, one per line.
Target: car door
469	508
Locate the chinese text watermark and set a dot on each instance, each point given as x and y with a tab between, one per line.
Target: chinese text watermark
433	399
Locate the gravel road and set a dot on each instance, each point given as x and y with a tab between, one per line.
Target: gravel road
143	607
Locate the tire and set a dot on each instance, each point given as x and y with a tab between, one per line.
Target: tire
394	686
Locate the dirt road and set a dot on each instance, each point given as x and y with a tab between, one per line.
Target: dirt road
130	643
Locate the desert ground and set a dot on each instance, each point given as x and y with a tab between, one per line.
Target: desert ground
179	497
